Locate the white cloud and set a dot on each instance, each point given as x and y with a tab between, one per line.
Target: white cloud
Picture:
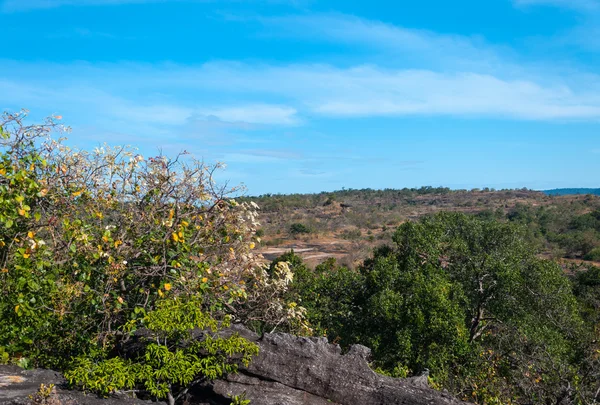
278	95
255	114
373	92
462	76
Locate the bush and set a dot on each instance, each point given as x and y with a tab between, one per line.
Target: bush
172	359
593	255
91	241
351	234
298	228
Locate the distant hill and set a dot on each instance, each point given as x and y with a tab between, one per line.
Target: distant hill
571	191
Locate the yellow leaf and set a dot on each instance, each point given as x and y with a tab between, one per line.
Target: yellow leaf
204	279
252	245
2	244
120	300
117	243
26	255
17	308
175	237
4	270
30	235
171	214
160	293
225	287
2	171
105	238
31	167
167	286
185	223
77	193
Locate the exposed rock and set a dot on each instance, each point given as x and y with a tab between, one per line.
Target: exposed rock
295	370
289	370
20	387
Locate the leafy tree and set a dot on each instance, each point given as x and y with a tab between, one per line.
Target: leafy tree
468	299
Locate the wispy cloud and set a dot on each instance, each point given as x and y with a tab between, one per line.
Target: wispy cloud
24	5
255	114
380	92
401	45
280	94
9	6
583	35
581	5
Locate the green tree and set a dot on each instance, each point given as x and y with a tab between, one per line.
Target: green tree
468	299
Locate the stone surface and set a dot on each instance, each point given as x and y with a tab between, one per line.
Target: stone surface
289	370
19	387
295	370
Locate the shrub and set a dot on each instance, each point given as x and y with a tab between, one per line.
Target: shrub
172	359
90	241
593	255
298	228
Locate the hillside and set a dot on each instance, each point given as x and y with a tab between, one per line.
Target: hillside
347	224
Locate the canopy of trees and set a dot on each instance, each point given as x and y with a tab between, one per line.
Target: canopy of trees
469	300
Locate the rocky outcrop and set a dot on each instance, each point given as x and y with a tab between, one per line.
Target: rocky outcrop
295	370
289	370
21	387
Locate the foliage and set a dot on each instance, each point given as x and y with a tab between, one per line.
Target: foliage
239	399
43	395
298	228
173	359
93	241
468	299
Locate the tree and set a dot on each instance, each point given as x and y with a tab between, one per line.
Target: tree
469	300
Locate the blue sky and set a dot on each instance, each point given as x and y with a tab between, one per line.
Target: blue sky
307	96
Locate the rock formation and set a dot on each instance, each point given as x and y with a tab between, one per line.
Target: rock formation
289	370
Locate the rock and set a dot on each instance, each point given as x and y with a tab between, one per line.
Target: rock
295	370
289	370
20	387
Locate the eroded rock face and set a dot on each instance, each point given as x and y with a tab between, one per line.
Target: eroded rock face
313	371
289	370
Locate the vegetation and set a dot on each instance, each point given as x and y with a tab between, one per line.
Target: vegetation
468	299
95	246
121	271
